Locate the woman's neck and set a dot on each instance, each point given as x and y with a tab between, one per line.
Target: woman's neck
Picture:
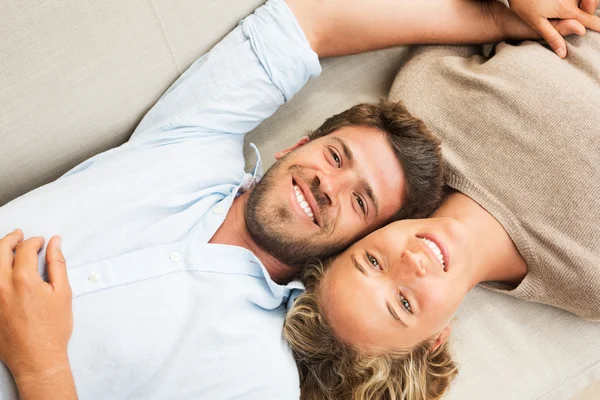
495	256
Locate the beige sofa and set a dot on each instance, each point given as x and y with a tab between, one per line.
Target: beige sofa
77	76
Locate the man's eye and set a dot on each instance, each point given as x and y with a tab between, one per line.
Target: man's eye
405	303
373	261
361	203
336	158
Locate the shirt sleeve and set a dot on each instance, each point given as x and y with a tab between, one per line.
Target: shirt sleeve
242	81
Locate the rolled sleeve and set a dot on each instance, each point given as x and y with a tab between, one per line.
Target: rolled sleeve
242	81
282	47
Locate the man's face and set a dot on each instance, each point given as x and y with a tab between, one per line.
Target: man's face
321	196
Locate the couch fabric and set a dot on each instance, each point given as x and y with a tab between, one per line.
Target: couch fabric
77	76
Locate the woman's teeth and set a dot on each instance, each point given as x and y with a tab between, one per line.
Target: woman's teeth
435	249
303	203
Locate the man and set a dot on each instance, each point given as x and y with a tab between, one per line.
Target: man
174	260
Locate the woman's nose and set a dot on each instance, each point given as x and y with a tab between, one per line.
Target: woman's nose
415	262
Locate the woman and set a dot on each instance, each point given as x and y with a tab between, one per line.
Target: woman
521	219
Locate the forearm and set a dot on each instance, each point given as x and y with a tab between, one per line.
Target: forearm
54	384
337	27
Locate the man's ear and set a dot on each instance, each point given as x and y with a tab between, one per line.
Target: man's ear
441	338
303	140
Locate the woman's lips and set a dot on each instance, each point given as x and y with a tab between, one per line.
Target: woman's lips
436	248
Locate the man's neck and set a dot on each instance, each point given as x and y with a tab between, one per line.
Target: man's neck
234	232
495	256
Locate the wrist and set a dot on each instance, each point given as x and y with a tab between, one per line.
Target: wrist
41	369
495	15
509	25
55	382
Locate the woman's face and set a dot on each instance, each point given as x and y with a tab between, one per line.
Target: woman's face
400	285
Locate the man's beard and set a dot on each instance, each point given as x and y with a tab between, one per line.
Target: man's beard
267	226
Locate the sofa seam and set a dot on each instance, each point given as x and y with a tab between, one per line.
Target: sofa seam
571	379
166	36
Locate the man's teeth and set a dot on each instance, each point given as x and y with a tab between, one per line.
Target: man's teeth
303	203
435	249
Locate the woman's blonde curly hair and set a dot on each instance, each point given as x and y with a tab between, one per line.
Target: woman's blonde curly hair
332	370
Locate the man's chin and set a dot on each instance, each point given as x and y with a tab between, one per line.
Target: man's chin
276	228
286	245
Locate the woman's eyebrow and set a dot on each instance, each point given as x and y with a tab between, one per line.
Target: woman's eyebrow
394	314
389	306
358	266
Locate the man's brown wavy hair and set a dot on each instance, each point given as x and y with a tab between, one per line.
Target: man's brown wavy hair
415	147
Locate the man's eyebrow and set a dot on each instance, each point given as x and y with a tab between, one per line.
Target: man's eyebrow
345	149
393	312
371	195
350	157
358	266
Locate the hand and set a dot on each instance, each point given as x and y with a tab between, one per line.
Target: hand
537	14
36	318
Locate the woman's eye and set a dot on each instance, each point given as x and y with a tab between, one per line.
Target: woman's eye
361	203
373	261
336	159
405	303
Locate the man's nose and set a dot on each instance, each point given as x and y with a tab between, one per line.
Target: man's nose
414	262
332	185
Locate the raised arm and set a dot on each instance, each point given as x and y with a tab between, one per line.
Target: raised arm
240	82
36	319
337	27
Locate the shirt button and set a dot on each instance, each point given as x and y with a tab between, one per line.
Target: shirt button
218	210
93	276
175	256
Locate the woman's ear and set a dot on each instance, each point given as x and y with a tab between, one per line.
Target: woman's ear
303	140
441	338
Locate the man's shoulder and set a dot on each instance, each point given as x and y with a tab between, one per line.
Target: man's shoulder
245	328
262	367
278	368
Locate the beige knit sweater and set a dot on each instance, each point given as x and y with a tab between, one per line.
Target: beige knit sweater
521	136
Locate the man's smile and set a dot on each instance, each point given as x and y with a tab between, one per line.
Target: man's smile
305	200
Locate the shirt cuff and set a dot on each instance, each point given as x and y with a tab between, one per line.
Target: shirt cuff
281	46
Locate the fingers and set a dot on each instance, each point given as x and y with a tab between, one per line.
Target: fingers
26	259
568	27
553	37
57	266
589	20
7	245
589	6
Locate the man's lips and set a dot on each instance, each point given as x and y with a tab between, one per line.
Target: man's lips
309	198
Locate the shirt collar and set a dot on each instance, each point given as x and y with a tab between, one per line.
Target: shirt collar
293	289
257	172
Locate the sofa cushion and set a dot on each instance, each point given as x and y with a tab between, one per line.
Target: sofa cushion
77	76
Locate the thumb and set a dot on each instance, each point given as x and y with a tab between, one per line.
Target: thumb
554	39
57	266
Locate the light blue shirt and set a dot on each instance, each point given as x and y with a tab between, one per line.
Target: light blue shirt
159	312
